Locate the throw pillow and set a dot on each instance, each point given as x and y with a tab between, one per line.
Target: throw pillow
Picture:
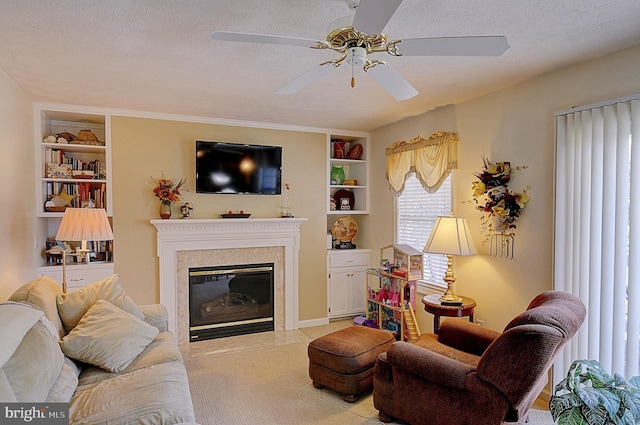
73	305
108	337
35	363
41	293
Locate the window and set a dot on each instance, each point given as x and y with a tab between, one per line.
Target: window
416	213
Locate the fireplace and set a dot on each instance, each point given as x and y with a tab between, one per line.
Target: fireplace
230	300
185	244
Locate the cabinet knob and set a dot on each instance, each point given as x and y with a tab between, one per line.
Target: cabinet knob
349	261
77	279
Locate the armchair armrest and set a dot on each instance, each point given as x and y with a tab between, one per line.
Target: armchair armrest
429	365
465	336
156	315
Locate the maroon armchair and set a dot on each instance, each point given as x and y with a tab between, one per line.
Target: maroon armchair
471	375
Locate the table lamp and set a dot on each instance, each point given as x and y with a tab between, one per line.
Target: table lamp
450	236
82	224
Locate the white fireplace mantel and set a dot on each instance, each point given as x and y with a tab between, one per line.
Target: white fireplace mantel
212	234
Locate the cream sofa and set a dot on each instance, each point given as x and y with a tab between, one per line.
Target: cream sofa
114	362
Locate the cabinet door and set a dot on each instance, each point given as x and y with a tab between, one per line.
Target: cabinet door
357	286
339	293
79	275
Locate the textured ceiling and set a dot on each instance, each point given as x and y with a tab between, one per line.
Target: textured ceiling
158	56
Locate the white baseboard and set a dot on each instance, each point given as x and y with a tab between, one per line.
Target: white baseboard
313	322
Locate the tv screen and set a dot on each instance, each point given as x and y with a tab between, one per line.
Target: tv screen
238	168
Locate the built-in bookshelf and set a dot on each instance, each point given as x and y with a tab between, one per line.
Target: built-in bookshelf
73	169
355	172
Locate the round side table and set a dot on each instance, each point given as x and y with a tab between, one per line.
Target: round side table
432	305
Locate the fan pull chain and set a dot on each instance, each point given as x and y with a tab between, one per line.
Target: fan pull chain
353	78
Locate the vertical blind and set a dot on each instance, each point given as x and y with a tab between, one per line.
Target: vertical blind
597	231
416	213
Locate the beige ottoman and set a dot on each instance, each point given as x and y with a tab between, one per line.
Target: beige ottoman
344	360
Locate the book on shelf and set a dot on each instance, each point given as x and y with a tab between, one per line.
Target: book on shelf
54	157
86	194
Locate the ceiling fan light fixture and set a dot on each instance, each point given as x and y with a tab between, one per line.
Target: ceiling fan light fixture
357	36
356	56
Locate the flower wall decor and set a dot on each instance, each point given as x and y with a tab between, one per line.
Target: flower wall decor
168	192
500	206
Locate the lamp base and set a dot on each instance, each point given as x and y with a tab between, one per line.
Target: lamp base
449	297
82	255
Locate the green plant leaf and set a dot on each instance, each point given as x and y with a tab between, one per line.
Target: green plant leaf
562	385
610	401
590	397
561	403
571	417
631	401
596	416
628	419
635	382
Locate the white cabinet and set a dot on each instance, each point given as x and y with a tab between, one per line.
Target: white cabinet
78	275
346	281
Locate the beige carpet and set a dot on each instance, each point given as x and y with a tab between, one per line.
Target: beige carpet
263	379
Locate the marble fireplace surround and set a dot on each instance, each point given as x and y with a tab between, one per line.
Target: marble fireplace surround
185	243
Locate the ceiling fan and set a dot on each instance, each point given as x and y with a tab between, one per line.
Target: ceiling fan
363	37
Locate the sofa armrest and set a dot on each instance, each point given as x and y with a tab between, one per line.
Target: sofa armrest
428	365
465	336
156	315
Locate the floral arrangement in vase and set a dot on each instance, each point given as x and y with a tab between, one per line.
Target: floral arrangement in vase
168	192
500	206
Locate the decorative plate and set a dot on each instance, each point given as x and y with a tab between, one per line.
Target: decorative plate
344	229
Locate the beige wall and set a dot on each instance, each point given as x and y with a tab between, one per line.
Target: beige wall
18	255
515	124
145	148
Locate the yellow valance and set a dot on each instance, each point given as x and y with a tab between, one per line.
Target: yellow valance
431	159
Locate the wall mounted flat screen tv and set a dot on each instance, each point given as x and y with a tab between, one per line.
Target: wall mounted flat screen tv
223	167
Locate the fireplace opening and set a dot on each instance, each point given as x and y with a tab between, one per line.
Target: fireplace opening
230	300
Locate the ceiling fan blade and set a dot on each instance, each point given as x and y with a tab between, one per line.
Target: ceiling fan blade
392	82
304	79
264	38
454	46
372	15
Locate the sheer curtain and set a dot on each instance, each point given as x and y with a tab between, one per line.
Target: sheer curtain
597	231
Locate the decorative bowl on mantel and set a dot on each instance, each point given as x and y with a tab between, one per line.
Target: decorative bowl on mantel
232	215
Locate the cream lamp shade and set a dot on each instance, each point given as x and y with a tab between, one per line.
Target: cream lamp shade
82	224
450	236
